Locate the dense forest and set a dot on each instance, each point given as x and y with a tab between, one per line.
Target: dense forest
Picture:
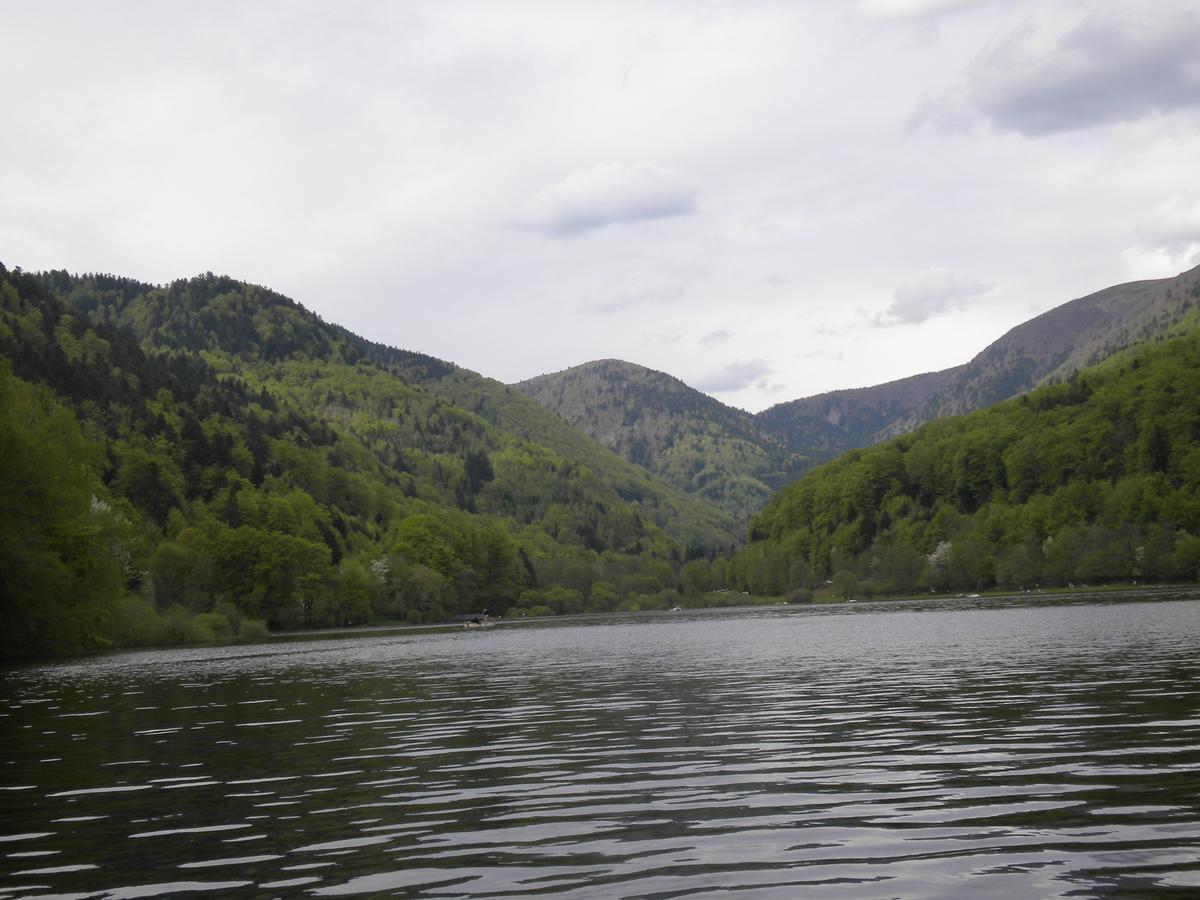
683	436
736	460
208	459
1092	480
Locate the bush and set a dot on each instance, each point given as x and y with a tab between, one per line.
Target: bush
232	613
846	585
253	630
214	624
178	627
136	623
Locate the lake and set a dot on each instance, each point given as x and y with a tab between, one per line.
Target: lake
1002	747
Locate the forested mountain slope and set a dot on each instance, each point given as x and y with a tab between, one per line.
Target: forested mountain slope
687	438
1049	347
732	458
185	457
1090	480
826	425
1068	338
691	518
245	325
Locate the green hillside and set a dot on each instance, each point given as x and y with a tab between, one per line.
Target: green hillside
687	438
1088	481
734	460
183	462
699	522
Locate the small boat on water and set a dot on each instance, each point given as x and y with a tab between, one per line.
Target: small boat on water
483	620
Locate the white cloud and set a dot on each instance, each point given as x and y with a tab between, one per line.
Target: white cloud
634	279
1173	225
1168	240
935	291
371	161
905	9
609	194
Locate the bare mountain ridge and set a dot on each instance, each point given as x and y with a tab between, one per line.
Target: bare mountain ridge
735	458
1063	340
828	424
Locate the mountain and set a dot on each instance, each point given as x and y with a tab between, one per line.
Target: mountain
683	436
733	458
701	526
828	424
1092	480
1047	348
1070	337
184	461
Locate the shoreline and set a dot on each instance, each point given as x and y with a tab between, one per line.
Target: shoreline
385	629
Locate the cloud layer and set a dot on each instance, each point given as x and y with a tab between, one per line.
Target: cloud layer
737	376
1105	69
1168	238
905	9
933	292
725	192
609	194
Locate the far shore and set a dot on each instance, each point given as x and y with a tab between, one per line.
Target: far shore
744	601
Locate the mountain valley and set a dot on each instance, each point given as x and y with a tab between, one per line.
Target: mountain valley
735	459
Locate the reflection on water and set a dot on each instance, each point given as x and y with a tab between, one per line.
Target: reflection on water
912	749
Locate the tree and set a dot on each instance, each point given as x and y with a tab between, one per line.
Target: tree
603	597
846	585
696	577
425	540
60	579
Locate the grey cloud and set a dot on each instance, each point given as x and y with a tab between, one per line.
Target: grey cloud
1103	70
609	194
934	291
736	376
716	338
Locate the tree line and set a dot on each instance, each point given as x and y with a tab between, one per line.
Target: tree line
205	460
1086	482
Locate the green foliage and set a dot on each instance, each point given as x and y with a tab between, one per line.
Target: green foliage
690	440
60	541
1093	480
210	448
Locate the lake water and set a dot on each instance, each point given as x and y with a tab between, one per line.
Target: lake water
1003	748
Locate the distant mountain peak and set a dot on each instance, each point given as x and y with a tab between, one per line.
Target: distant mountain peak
654	419
657	421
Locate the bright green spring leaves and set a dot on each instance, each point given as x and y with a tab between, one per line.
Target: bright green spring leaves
1090	481
190	460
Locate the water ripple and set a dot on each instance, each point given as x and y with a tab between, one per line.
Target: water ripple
925	749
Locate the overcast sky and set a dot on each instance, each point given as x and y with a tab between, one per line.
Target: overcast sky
767	200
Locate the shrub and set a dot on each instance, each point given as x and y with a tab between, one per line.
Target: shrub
214	624
253	630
